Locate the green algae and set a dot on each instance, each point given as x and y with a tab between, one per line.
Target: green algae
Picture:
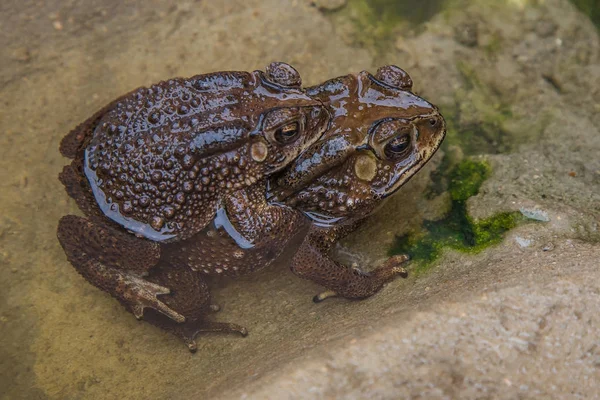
457	230
477	120
466	179
375	21
591	8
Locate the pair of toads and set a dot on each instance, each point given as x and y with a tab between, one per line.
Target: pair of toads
215	174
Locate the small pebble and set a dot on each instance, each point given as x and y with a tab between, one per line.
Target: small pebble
523	242
535	214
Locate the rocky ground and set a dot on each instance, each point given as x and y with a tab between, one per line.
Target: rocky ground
519	83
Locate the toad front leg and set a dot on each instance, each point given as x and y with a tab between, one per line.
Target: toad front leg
312	262
115	262
260	223
248	235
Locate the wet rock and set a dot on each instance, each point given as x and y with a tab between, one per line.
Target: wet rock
531	333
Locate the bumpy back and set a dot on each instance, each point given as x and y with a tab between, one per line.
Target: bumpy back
162	156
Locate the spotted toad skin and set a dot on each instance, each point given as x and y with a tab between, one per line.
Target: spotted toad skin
380	136
161	159
166	172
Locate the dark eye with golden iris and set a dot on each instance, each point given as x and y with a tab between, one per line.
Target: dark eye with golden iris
397	147
287	133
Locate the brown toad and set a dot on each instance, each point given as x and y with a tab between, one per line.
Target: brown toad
184	158
380	136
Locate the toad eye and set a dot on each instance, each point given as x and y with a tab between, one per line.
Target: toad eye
287	133
397	147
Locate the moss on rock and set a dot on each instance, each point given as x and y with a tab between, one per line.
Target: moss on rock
457	230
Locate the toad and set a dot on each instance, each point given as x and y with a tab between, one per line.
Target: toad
381	135
163	165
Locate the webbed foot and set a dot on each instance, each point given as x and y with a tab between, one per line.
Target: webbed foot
386	272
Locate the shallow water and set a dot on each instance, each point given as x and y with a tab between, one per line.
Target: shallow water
63	60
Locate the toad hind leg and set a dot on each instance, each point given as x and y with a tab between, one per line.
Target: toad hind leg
114	262
190	296
312	262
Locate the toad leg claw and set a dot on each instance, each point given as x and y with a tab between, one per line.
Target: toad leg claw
391	268
189	333
324	295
